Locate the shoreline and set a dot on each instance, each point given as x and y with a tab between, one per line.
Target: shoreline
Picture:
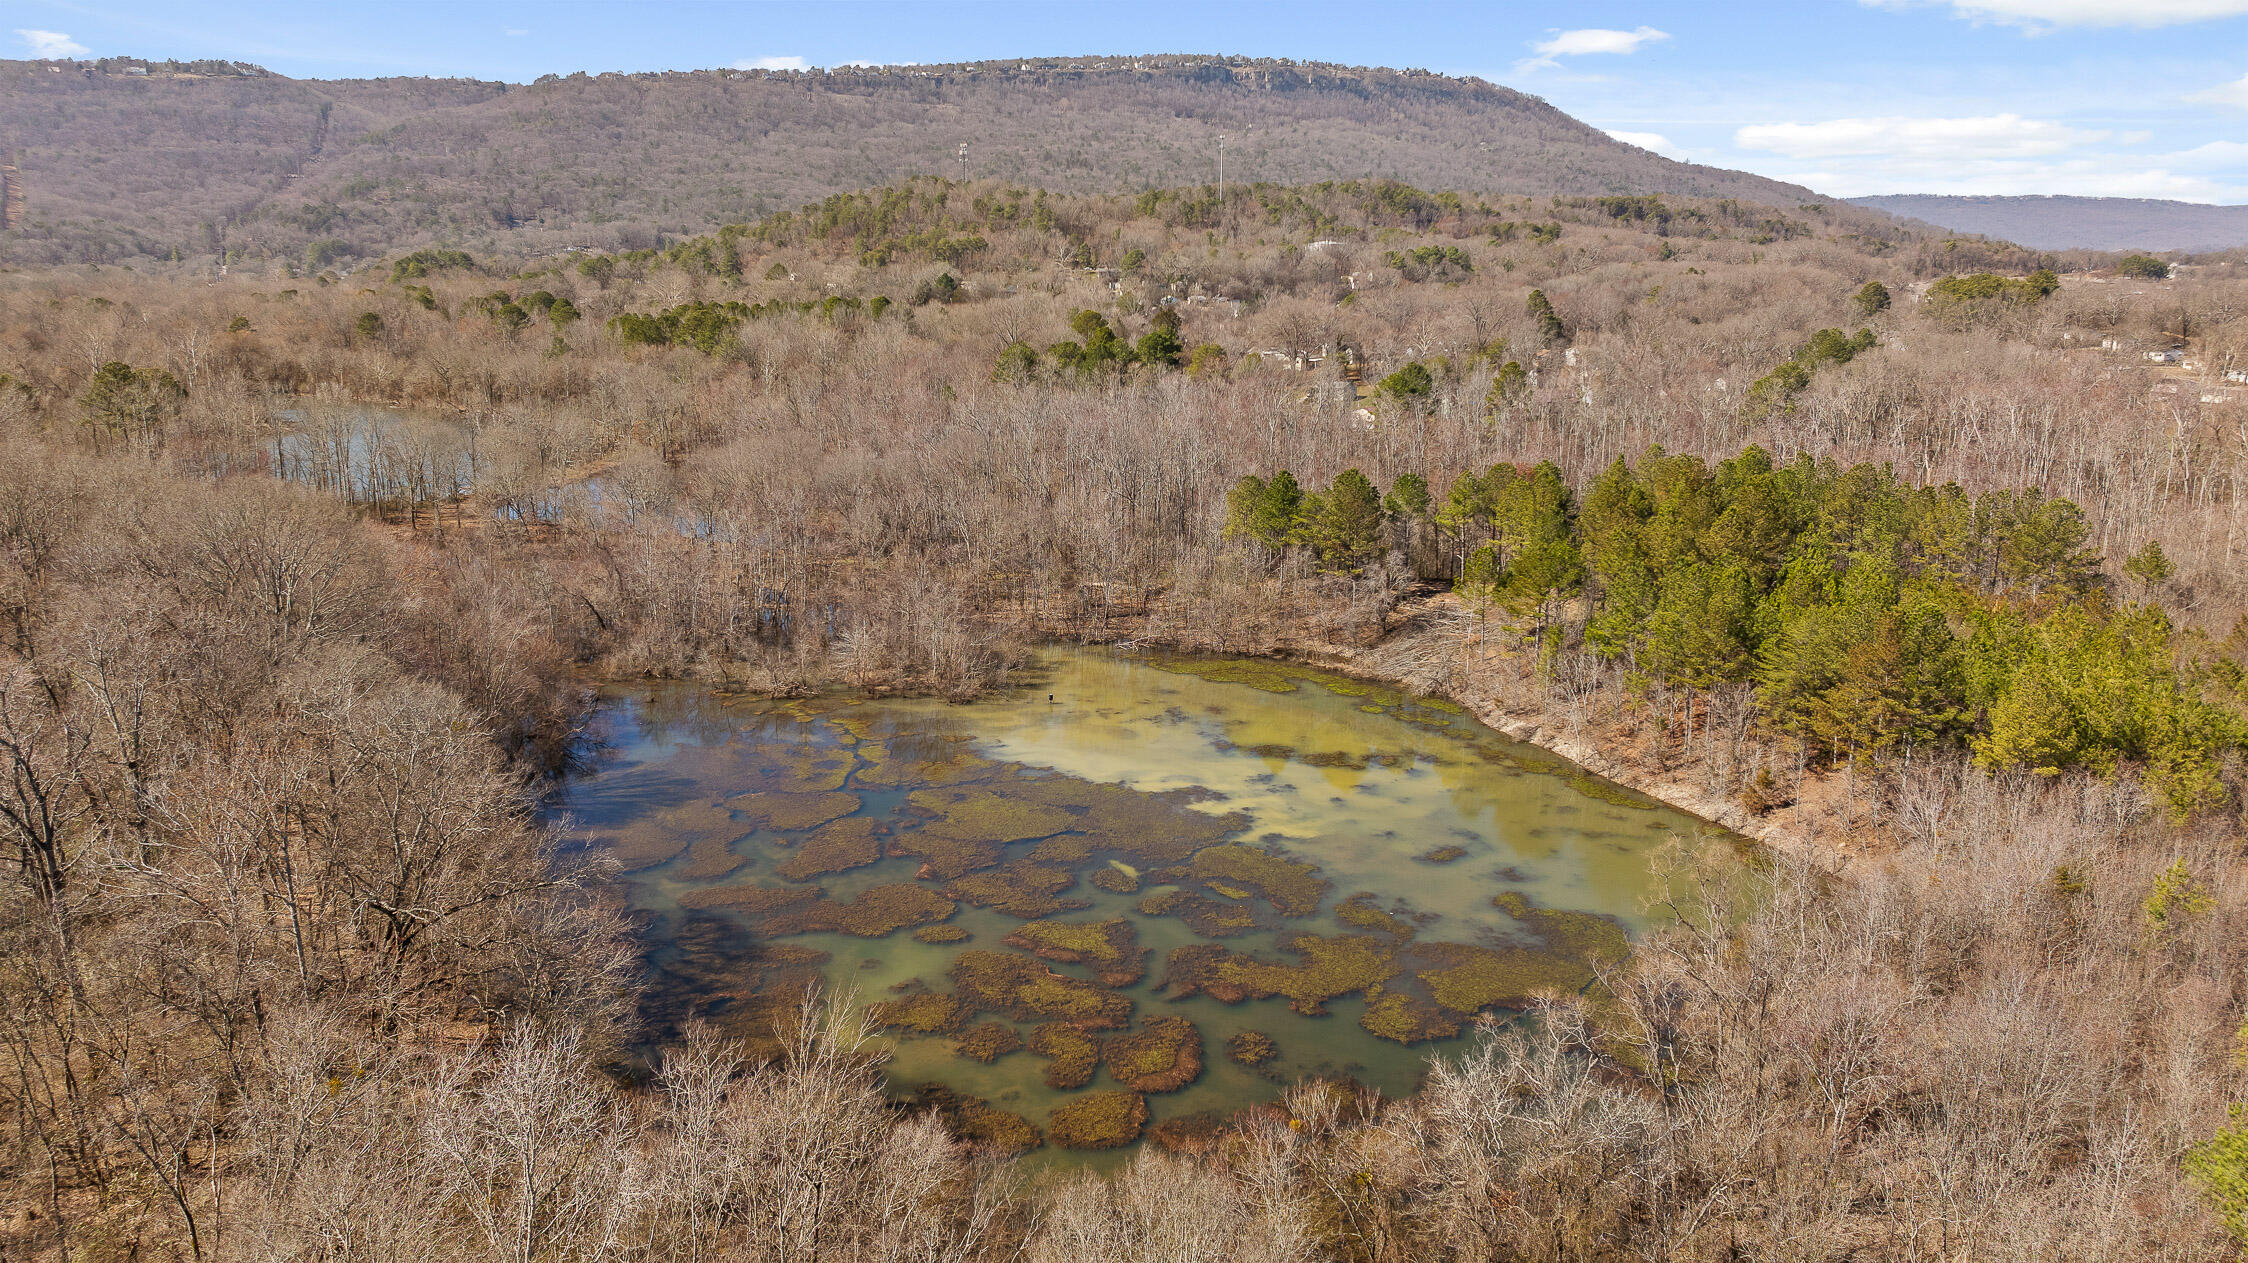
1534	731
1369	662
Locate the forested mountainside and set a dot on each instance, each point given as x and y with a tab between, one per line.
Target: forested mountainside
121	159
2077	223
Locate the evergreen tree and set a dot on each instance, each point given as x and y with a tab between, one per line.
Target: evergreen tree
1347	532
1550	326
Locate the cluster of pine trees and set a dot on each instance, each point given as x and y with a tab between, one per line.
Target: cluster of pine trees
1866	614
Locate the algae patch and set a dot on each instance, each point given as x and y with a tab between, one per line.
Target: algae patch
1098	1120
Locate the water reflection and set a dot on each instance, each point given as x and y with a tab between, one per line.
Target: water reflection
1348	871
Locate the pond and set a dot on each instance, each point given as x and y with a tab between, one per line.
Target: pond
1139	889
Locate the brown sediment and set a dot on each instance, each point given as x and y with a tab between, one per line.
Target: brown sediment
1331	967
1292	887
1586	936
755	901
1071	1054
872	913
1115	880
1021	890
983	814
982	1123
719	973
922	761
1468	979
836	847
666	834
977	1120
710	859
1208	918
800	769
1441	854
987	1041
880	910
944	858
1164	1055
1148	829
1098	1120
1021	988
1408	1019
926	1013
1251	1048
1111	947
1359	911
1190	1133
787	811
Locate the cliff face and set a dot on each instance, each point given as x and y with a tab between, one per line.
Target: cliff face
143	163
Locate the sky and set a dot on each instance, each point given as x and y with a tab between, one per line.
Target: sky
2114	98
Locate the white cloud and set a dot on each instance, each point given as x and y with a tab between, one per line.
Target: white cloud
1989	136
1653	142
2000	154
772	63
1589	41
2215	155
514	31
2234	93
2105	176
2037	14
52	44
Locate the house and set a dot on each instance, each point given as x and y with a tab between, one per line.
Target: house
2239	375
2168	355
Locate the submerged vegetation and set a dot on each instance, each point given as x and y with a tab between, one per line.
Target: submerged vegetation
1098	1120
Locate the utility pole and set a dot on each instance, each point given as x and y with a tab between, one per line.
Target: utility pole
963	162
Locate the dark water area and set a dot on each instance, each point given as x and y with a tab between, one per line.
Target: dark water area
1149	864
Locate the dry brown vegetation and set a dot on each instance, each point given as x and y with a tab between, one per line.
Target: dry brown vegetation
271	169
289	971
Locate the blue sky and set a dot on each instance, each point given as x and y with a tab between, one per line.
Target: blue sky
2128	98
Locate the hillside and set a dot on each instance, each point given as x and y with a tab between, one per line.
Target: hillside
2065	223
122	159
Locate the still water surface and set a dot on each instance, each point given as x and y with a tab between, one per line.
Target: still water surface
1117	788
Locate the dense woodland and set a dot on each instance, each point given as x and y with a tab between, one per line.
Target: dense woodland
1862	532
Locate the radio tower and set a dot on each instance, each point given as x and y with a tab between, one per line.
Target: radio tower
963	162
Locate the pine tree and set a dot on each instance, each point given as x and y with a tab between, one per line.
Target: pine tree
1348	530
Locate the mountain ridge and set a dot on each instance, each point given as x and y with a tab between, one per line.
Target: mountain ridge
125	159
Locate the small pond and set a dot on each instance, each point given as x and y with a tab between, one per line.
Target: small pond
1194	880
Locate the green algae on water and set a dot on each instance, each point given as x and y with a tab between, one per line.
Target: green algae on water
1098	1120
987	1041
1164	1055
1111	947
1251	1048
1027	991
1071	1055
1145	812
